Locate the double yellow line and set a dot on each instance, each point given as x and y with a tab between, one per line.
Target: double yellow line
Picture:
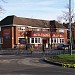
68	65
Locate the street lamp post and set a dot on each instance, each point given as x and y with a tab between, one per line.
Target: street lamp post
70	27
51	35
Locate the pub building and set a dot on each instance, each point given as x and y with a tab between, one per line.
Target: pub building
18	32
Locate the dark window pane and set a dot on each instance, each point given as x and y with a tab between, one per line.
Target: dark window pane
22	40
62	40
54	40
35	40
32	41
38	40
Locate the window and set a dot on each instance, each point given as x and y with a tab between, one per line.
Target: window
44	29
1	40
51	40
62	40
21	28
55	40
61	30
35	40
38	29
32	40
22	40
38	40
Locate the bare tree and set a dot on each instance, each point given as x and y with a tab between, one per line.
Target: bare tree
1	7
65	16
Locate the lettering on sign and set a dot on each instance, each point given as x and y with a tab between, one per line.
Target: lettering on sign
42	35
47	35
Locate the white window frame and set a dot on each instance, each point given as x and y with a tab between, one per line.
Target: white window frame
61	40
57	40
34	40
22	28
52	40
61	30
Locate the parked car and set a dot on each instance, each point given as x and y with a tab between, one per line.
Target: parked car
73	47
63	46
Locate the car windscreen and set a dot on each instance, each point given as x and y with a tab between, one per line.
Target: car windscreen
61	44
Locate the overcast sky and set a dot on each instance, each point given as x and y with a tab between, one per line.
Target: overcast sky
38	9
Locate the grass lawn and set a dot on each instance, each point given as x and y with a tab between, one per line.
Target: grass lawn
67	57
63	58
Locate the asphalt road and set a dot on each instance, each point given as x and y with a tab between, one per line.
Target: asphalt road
21	65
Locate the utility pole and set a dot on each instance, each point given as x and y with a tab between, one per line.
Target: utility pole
70	27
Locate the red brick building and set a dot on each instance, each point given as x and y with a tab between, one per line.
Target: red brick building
24	31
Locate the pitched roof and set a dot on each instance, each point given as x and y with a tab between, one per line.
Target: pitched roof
7	21
10	20
35	22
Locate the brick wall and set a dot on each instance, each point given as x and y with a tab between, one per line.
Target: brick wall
6	34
